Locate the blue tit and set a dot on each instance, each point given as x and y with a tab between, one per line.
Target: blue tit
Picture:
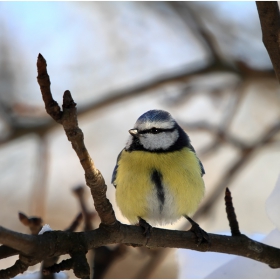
158	176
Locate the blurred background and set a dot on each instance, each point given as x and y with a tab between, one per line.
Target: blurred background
204	62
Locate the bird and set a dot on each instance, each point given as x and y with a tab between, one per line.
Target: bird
158	176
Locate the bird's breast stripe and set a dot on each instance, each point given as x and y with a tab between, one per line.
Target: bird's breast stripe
156	178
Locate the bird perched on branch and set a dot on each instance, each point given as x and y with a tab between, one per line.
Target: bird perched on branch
158	176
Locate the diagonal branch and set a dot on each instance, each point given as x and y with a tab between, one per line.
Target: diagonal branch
68	119
75	223
18	241
6	252
14	270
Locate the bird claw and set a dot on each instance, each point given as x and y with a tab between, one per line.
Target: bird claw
201	235
147	228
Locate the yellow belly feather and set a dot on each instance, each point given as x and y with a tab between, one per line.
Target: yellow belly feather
181	175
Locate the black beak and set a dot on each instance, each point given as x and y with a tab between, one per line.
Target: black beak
134	132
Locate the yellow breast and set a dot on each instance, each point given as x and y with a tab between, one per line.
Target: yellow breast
136	193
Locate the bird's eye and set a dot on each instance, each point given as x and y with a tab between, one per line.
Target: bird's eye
154	130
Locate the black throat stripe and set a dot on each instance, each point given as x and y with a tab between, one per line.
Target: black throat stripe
156	178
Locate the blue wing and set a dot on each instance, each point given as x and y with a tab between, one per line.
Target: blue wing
114	175
201	168
200	163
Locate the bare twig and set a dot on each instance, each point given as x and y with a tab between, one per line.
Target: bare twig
79	192
233	223
64	265
18	241
76	222
78	263
34	223
17	268
6	252
68	118
44	82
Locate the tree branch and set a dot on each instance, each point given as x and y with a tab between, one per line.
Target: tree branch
64	265
6	252
18	241
17	268
58	242
68	119
270	25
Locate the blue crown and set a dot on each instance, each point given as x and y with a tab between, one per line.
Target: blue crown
155	116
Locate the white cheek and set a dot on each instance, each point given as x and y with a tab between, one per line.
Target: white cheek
161	140
129	142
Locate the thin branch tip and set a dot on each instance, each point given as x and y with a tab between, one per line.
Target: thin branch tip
233	223
41	62
68	100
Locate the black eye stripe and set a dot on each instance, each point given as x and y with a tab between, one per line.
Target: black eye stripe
154	130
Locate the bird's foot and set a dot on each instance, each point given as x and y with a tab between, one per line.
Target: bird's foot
147	228
201	235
